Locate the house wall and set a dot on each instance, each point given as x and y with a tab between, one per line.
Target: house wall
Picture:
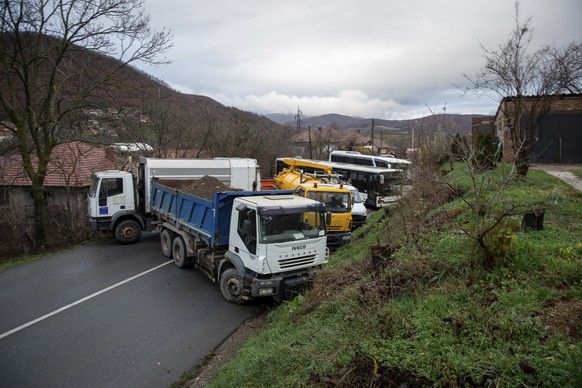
558	135
502	132
20	199
483	124
66	217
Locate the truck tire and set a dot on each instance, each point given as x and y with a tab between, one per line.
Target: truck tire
128	232
167	239
231	286
180	253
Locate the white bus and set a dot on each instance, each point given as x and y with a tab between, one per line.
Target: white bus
379	186
354	157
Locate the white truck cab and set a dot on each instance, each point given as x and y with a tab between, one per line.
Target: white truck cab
111	197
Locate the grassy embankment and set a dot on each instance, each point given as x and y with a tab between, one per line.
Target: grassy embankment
430	313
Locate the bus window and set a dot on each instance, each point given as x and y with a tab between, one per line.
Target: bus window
381	163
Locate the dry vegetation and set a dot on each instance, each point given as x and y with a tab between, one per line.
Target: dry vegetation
410	303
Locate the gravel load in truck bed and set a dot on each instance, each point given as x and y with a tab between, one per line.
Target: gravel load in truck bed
206	186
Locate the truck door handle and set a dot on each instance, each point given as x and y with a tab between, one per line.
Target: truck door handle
122	206
235	249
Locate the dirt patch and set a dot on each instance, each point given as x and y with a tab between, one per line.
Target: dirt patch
564	316
364	371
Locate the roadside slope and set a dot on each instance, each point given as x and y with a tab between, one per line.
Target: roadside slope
421	310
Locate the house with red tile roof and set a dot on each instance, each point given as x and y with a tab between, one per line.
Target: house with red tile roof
67	181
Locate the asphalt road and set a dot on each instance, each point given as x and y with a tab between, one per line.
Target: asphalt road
109	315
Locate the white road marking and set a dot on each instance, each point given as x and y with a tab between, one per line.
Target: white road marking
82	300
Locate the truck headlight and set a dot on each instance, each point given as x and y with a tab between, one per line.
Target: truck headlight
265	291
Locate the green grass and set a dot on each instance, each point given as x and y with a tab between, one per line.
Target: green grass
431	313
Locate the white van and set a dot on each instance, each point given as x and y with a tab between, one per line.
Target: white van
359	211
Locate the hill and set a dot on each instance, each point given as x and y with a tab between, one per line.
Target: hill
102	101
453	122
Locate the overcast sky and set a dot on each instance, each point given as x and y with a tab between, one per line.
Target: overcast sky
390	59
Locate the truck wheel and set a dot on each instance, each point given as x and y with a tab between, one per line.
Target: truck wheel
167	239
128	232
231	286
180	254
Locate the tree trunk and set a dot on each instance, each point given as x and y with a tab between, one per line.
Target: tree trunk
523	148
39	214
522	167
488	258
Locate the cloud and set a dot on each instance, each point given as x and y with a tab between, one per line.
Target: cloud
368	58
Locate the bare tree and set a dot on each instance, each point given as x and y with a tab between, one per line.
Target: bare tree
322	142
52	66
513	72
243	134
492	226
488	212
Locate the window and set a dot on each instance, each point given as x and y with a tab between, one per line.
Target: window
4	197
114	186
247	229
279	228
109	188
381	163
94	185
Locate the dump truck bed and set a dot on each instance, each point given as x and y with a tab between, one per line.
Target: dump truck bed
206	219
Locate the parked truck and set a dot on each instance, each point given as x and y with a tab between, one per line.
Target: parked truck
324	172
253	243
119	202
335	197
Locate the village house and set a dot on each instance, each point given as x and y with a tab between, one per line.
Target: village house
558	134
66	184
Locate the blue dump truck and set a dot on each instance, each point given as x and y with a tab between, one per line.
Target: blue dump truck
253	243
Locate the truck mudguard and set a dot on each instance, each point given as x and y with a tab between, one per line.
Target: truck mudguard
134	215
236	261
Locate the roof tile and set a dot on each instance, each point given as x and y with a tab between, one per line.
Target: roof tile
72	164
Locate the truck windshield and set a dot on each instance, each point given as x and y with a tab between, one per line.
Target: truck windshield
291	227
335	202
94	185
356	197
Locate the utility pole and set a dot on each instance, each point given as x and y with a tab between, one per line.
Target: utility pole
310	152
372	135
411	129
413	137
298	119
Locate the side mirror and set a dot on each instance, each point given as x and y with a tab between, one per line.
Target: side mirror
328	218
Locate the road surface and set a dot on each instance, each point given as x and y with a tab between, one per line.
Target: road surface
109	315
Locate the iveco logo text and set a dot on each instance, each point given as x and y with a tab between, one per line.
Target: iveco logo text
298	247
